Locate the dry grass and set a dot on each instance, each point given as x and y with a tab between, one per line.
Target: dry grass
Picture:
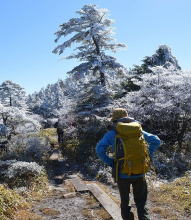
27	215
10	202
91	202
94	210
39	187
96	214
164	212
69	186
172	200
16	206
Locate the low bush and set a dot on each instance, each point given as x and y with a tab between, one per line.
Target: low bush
30	148
50	134
10	202
79	143
70	149
22	174
172	166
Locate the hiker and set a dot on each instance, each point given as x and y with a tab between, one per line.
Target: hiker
128	168
60	131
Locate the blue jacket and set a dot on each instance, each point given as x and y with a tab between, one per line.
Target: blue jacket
108	140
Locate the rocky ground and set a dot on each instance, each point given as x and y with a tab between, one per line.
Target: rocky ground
58	207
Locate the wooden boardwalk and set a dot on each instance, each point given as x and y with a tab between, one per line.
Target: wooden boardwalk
108	204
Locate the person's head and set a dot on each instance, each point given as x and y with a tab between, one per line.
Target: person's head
118	113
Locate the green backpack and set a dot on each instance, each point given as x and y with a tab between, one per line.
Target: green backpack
131	150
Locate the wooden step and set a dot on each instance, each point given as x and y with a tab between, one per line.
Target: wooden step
109	205
79	185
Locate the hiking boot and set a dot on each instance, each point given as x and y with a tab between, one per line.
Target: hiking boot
131	216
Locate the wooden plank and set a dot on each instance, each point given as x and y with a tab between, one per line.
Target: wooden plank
109	205
79	185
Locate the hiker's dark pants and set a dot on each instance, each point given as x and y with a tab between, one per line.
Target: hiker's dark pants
140	197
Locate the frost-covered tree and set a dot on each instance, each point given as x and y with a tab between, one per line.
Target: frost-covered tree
93	32
17	120
162	57
12	94
163	104
95	99
49	101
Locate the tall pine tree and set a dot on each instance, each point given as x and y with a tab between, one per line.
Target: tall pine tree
93	31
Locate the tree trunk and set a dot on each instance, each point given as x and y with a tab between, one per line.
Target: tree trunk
102	75
97	46
102	78
4	119
10	101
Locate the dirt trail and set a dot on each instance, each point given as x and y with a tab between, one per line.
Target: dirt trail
66	204
75	206
60	208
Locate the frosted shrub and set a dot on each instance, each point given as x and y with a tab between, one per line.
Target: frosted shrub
17	121
37	148
105	175
98	170
4	165
17	146
21	168
29	148
90	130
170	167
18	173
7	162
21	174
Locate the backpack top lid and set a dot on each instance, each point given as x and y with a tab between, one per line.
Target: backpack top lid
129	130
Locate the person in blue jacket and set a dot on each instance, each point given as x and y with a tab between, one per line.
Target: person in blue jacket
124	181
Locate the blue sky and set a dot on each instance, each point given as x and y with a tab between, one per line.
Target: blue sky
28	27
